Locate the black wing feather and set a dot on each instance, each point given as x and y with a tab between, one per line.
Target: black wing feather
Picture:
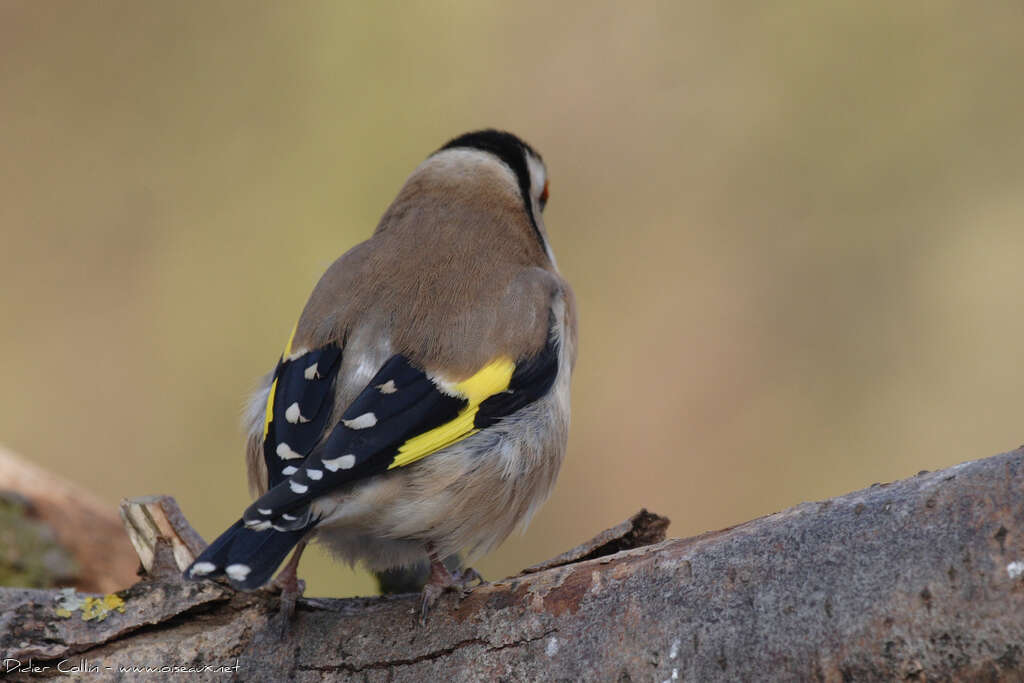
259	552
533	378
315	398
404	402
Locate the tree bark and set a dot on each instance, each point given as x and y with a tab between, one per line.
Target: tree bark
916	580
63	534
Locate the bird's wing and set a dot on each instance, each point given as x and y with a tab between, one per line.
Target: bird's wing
403	415
299	405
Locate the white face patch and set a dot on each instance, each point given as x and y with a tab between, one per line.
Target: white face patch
258	525
315	475
290	518
364	421
285	452
238	572
344	462
538	181
388	387
290	470
538	176
202	568
310	372
265	511
296	487
299	353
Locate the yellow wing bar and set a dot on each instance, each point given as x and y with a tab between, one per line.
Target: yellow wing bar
269	413
492	379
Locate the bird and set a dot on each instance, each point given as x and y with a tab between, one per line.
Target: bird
421	405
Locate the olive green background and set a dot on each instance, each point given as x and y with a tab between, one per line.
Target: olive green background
795	231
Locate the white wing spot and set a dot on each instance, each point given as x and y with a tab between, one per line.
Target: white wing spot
310	372
297	487
265	511
297	354
290	470
315	475
202	568
293	414
258	524
290	518
344	462
238	572
388	387
362	422
285	452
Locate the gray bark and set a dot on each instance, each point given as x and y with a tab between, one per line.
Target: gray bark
922	579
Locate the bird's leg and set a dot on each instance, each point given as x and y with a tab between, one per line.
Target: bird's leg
291	587
438	582
441	580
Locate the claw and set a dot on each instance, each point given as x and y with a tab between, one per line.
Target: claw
289	599
442	581
468	575
431	593
291	588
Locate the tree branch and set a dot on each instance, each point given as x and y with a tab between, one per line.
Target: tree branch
919	579
58	512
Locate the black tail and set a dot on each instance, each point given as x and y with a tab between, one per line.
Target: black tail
248	557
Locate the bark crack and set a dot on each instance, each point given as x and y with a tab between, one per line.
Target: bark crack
426	657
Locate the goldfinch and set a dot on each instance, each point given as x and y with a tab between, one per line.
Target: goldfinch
421	406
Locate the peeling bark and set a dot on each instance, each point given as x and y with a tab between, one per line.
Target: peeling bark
922	579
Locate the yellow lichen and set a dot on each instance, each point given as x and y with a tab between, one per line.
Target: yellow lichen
92	608
100	608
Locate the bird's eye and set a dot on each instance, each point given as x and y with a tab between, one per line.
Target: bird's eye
543	199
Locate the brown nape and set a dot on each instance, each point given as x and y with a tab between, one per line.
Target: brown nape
421	270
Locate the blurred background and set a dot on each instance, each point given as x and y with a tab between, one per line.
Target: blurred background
795	231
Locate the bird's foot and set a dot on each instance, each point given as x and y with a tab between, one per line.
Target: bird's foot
291	588
466	576
290	592
442	581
